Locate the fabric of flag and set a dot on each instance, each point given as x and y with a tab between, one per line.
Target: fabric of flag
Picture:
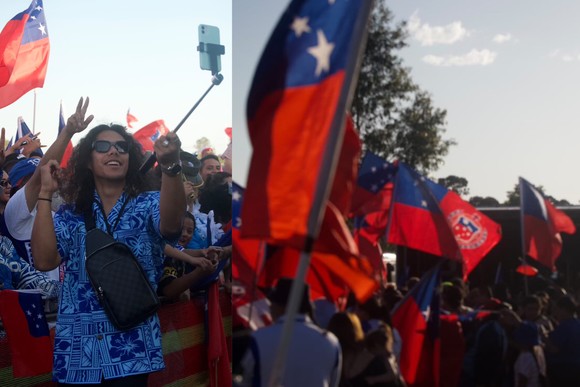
295	111
24	52
69	147
131	119
374	186
220	372
416	317
148	134
542	225
29	338
427	217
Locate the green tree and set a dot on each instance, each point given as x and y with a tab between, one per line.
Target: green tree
397	119
456	184
488	201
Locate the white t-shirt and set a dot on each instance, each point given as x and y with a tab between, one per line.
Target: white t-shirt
19	222
527	366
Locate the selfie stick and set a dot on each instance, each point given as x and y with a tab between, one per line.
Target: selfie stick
214	50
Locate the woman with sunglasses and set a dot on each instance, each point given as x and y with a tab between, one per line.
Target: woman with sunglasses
102	177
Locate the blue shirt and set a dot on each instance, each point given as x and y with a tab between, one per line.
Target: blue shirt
87	345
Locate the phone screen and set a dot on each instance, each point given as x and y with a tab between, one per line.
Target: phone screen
208	34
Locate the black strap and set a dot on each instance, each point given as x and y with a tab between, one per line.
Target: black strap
90	219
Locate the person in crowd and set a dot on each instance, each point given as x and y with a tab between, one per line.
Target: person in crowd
360	366
313	355
379	342
563	345
21	209
452	300
530	365
180	274
532	311
102	177
15	272
210	164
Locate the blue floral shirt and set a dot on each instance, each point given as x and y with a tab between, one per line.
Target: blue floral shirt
87	345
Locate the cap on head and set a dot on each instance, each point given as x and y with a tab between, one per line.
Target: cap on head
22	169
190	167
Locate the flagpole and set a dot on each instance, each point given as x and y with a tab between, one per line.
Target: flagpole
34	114
522	234
328	168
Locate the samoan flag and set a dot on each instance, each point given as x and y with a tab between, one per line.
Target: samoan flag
296	107
25	323
416	317
69	147
542	224
147	135
24	130
427	217
24	52
374	185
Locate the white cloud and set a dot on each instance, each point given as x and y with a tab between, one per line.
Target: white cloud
430	35
502	38
564	56
472	58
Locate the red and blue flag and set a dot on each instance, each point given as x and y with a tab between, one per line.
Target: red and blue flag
24	52
147	135
542	224
28	335
374	185
416	317
296	107
428	217
69	147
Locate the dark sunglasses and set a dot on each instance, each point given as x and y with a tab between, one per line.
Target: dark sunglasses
103	146
4	183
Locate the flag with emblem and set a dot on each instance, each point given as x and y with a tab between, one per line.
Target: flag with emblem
301	90
427	217
147	135
69	147
24	51
542	224
23	317
416	317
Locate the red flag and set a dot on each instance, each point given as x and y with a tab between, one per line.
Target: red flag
220	373
295	112
24	51
69	147
131	119
25	323
428	217
416	317
542	224
148	134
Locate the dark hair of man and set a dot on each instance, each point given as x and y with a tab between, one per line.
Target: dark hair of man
79	184
209	156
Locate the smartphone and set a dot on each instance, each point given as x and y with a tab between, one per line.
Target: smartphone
208	34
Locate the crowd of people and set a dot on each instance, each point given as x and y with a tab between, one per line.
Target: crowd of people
487	338
175	219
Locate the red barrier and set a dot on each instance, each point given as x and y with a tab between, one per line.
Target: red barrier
184	347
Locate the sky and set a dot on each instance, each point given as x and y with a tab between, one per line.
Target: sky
129	54
507	73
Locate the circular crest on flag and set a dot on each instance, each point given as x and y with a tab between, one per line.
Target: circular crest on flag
467	229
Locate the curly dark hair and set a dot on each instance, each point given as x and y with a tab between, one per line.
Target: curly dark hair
78	185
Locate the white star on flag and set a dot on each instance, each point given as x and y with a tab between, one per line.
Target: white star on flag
300	26
423	203
373	169
33	17
38	8
236	196
322	53
29	313
42	29
238	222
39	316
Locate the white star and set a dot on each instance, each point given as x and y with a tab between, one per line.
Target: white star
423	203
300	26
238	222
373	169
322	53
331	1
38	8
37	326
33	17
39	316
236	196
29	313
33	305
42	29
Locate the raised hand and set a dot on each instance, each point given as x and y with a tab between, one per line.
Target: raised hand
167	149
49	178
76	123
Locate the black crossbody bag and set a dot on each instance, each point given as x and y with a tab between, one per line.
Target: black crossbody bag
118	279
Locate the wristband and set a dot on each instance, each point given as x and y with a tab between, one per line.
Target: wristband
45	199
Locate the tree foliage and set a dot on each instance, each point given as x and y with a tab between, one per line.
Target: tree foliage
457	184
488	201
513	197
396	118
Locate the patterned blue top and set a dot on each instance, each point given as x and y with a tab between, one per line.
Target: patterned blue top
87	345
